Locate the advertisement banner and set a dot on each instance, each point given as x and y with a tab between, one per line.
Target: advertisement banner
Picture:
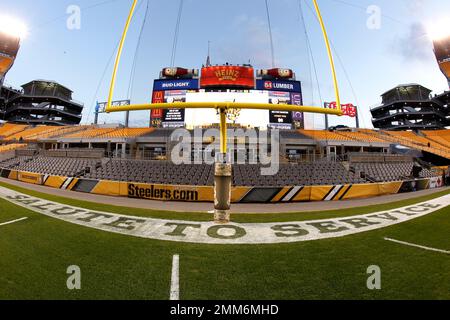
296	99
232	76
158	97
297	116
174	117
276	97
175	96
347	109
275	85
30	177
280	119
101	106
156	114
179	84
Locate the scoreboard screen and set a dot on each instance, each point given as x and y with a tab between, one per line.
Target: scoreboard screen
227	84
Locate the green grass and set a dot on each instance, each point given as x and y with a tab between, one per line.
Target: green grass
35	254
239	218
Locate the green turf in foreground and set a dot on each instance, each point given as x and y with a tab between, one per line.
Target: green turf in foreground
36	253
239	218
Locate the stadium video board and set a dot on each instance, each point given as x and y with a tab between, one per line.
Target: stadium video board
280	119
283	92
205	117
174	117
442	52
212	87
9	46
168	91
442	49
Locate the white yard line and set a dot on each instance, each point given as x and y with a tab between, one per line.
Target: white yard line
417	246
13	221
175	281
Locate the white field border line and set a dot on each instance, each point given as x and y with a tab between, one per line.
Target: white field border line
175	281
13	221
245	233
417	246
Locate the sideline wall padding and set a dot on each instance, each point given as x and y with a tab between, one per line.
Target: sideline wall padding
109	188
282	194
362	191
5	173
303	195
170	193
85	185
258	194
30	177
54	181
389	187
322	193
238	194
436	182
13	174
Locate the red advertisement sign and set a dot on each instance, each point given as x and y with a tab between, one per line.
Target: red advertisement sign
347	109
233	76
157	113
158	97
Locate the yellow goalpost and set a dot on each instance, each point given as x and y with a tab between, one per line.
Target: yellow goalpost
224	105
223	170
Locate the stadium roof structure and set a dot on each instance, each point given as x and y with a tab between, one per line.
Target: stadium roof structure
48	82
412	91
444	98
410	107
41	102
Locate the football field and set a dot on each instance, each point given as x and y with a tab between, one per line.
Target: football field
37	249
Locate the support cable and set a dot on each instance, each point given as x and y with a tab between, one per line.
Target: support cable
177	33
341	64
138	46
269	21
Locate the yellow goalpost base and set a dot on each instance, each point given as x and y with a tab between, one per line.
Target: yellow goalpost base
224	105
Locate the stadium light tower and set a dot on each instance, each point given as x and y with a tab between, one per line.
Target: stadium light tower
222	188
440	35
11	32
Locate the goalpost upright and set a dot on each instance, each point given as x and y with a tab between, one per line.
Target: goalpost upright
223	170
